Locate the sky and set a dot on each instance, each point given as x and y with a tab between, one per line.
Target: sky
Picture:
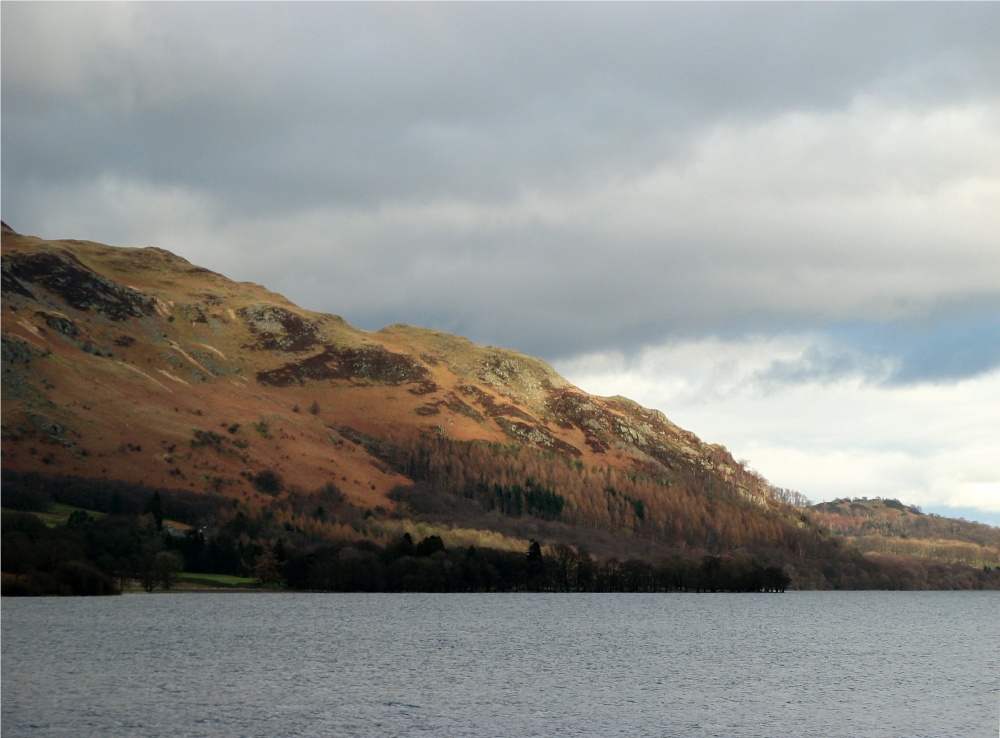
778	223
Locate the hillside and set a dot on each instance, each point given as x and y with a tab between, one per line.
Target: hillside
107	349
128	371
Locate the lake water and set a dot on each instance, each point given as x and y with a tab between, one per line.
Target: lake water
851	664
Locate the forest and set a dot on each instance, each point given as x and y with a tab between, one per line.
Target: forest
124	536
103	555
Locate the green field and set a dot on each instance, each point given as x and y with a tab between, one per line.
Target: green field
59	513
214	580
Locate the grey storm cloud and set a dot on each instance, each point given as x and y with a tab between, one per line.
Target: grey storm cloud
559	178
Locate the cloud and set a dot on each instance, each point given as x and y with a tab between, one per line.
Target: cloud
757	226
558	179
829	436
289	107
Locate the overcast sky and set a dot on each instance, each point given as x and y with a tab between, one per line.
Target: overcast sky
777	223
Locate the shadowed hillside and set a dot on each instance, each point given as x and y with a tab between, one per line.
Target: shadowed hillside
137	368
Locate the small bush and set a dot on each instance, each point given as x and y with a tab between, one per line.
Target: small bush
269	482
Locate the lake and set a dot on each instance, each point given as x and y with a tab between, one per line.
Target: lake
851	664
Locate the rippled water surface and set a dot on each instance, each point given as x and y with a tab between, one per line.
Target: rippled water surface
850	664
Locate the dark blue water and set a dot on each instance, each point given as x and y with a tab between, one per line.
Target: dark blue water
849	664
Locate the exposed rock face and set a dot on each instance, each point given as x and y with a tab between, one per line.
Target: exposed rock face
62	274
278	329
367	363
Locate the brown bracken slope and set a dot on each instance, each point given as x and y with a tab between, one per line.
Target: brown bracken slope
116	361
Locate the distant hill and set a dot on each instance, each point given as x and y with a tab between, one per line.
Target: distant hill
890	527
128	371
